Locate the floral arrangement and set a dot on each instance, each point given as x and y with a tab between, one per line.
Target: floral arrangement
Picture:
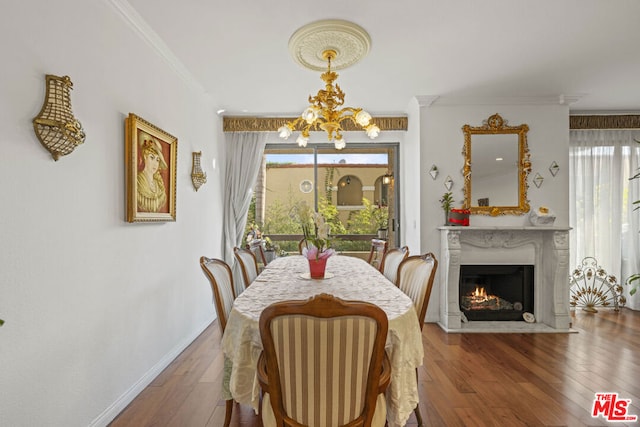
320	247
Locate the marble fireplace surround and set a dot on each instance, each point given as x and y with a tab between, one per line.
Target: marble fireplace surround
547	248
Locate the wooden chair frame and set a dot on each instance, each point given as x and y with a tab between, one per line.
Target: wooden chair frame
377	246
403	250
222	315
324	306
255	246
302	244
428	257
245	274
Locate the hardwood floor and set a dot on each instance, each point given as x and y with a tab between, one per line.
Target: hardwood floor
466	380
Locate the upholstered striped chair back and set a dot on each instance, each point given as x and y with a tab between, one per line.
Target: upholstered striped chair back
391	262
255	246
221	279
323	363
378	249
248	265
415	278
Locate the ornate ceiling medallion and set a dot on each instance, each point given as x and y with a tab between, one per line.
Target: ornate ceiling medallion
308	44
330	45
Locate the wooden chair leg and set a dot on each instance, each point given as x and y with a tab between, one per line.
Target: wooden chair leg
227	412
417	408
418	415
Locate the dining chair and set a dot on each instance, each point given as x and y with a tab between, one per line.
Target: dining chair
378	249
248	265
301	245
323	363
255	246
415	279
391	261
221	280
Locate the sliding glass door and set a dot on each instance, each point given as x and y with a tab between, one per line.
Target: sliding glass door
353	188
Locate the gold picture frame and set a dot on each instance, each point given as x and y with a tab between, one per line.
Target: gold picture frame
151	160
496	142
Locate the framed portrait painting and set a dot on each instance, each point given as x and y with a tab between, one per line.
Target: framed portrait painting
151	156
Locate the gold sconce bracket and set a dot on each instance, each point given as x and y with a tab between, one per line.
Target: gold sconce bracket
55	126
198	177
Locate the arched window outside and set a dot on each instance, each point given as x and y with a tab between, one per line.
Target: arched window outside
349	191
381	192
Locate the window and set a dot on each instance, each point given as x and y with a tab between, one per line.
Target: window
345	186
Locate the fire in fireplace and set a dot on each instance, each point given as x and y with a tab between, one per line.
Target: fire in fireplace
496	292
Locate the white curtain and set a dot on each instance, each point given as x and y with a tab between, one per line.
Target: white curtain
605	226
244	152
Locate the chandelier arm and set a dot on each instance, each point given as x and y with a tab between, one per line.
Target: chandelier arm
324	112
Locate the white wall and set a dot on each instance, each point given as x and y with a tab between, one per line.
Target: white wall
94	306
441	143
411	169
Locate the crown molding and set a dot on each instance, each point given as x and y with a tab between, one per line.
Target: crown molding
144	30
506	100
271	124
569	99
426	100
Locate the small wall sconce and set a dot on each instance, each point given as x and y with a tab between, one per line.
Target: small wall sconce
198	177
554	168
387	178
55	126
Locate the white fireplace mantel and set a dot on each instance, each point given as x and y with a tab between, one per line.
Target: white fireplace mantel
546	248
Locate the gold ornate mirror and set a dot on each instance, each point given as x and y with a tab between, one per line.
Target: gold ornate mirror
496	166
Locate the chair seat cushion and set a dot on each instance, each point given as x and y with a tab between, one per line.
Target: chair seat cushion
379	416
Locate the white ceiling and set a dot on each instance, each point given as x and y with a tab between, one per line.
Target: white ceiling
238	51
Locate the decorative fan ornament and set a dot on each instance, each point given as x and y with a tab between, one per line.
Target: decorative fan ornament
590	286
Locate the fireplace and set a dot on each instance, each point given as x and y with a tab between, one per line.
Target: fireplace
544	248
496	292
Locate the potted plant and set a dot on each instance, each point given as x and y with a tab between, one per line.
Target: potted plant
381	217
446	201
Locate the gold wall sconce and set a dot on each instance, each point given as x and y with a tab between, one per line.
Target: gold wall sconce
55	126
198	177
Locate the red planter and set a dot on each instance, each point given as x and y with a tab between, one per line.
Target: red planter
317	267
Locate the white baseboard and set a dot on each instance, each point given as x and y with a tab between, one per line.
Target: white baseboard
116	407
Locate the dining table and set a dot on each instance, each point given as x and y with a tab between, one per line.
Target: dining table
349	278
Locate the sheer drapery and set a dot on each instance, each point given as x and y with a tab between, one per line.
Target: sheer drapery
244	152
601	207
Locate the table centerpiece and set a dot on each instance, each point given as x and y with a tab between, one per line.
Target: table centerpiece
317	248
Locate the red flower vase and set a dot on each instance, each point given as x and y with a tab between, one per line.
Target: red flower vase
317	267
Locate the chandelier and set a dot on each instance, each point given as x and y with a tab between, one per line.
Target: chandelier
325	112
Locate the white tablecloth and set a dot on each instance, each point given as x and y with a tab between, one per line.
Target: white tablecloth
353	279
